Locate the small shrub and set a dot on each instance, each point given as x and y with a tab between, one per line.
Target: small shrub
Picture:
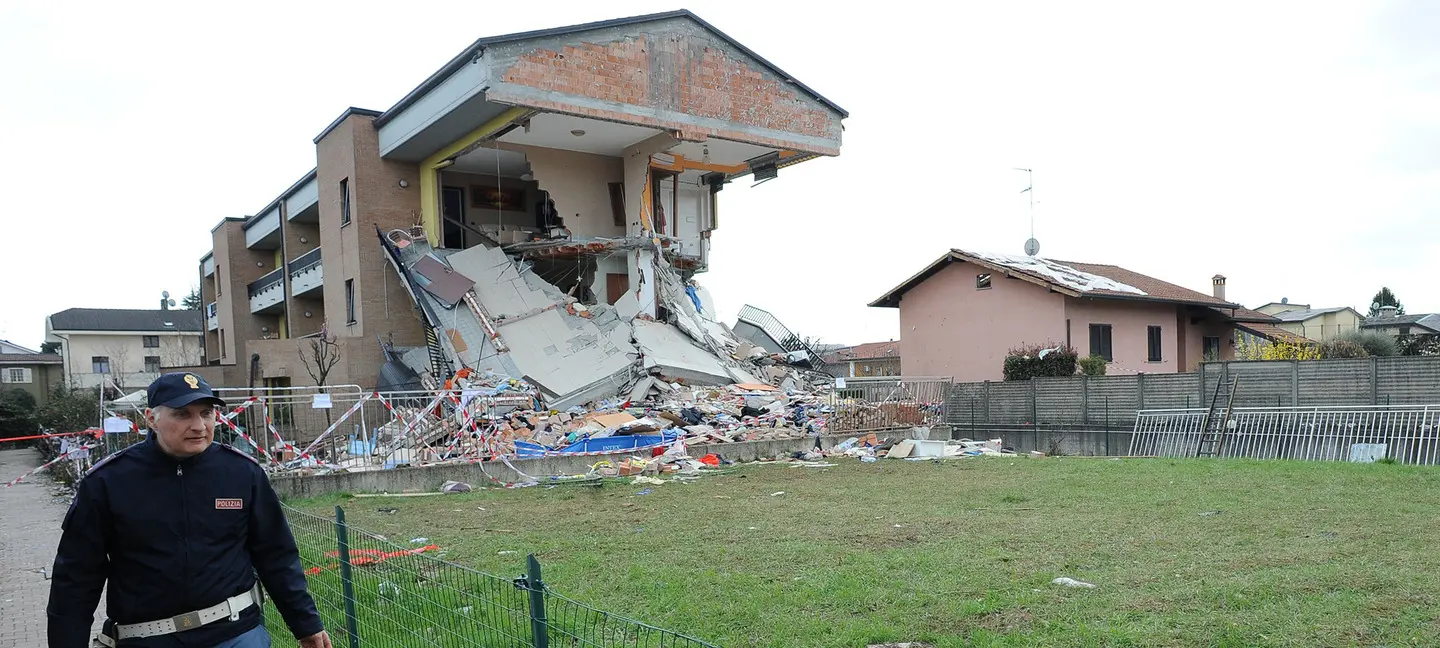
1389	461
1375	343
1424	344
1024	363
1093	365
1342	349
1258	349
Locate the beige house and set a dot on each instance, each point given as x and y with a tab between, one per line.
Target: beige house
129	347
865	360
1318	324
35	373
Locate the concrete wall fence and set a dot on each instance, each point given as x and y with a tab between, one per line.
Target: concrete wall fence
1112	401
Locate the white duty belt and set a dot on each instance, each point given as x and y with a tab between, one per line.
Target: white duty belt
230	609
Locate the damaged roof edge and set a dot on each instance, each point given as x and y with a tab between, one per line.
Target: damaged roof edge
478	47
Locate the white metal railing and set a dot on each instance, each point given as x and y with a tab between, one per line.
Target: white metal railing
1406	433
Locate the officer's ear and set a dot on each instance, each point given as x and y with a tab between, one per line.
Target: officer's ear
150	414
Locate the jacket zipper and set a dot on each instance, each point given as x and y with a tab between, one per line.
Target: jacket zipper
185	528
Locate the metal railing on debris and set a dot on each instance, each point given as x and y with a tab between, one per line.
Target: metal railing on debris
374	593
879	403
1407	434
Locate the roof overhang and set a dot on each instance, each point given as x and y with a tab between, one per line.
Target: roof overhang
891	299
523	70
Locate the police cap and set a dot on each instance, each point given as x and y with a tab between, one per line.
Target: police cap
179	389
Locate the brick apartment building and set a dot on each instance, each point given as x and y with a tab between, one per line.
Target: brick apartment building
594	154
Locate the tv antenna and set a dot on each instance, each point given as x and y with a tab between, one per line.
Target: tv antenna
1032	245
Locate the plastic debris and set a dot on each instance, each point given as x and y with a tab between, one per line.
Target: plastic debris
1070	582
455	487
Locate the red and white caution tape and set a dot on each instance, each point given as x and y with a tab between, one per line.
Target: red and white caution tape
48	464
353	408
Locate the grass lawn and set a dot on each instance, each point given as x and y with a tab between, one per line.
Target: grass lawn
962	553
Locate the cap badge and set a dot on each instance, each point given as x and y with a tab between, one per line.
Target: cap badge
192	381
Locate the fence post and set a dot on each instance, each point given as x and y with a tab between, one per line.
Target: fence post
539	625
1034	403
347	584
1202	383
987	401
1140	389
1084	399
1374	380
1295	383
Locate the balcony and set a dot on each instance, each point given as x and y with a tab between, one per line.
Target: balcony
212	317
307	275
267	294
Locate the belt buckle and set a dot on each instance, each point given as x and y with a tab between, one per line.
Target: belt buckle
187	621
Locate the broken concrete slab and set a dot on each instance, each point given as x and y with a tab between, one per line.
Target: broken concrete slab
675	357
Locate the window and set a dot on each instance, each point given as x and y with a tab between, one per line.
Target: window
349	301
345	202
982	281
100	364
1154	339
1404	330
152	364
151	341
1100	342
17	375
1210	347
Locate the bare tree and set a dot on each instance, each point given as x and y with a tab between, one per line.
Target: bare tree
320	355
119	357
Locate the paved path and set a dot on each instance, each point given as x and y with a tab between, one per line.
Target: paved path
30	516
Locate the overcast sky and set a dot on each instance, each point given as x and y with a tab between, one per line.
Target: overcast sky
1292	146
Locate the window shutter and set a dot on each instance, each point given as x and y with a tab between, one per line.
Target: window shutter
25	376
5	376
1095	348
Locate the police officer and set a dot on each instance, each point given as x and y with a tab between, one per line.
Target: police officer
179	527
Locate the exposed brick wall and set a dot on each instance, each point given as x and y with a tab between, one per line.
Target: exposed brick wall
679	72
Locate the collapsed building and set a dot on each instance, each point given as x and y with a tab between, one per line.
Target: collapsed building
538	208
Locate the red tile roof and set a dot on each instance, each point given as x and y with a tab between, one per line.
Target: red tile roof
867	351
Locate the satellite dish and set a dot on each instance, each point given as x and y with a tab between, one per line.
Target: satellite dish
172	302
1032	247
165	294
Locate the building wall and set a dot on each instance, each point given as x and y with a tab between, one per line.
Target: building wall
1129	334
43	378
127	353
1192	338
1325	327
353	251
579	183
235	268
949	328
872	367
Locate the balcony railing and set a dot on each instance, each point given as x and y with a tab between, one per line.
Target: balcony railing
270	280
305	261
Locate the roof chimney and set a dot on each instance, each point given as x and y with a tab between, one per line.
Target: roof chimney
1218	283
1387	312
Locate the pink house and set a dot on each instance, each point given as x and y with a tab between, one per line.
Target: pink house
961	314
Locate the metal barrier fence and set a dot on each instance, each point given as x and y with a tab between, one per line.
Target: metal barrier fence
887	402
1406	434
374	593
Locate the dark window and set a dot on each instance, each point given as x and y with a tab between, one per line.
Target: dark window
345	201
982	281
1154	344
1211	348
1404	330
152	364
1100	342
151	341
350	301
100	364
1068	343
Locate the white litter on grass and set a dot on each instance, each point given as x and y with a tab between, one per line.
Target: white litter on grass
506	553
1057	272
419	540
777	493
1070	582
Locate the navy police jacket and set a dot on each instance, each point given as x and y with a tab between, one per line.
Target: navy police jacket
173	536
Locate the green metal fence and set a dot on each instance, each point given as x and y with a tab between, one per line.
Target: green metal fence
374	593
